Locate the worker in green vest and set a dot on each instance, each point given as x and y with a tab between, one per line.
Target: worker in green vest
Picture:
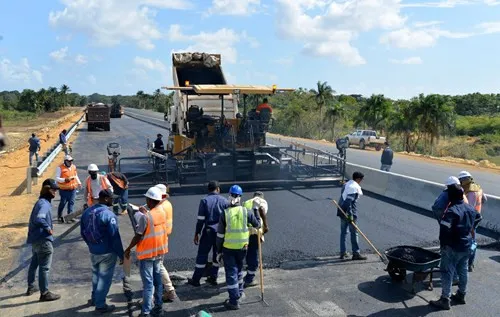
232	244
259	207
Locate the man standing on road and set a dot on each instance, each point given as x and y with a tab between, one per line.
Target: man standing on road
476	199
40	236
351	191
94	183
209	211
386	159
68	181
152	243
99	229
443	201
34	147
455	239
119	182
257	205
63	140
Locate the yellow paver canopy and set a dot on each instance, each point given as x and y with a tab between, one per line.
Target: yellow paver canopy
230	89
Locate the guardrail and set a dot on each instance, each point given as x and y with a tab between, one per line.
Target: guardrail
33	173
137	117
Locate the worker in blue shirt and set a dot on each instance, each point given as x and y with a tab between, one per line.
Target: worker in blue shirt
99	229
34	147
63	140
209	211
40	236
455	237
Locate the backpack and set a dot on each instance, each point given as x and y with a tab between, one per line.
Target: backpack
92	229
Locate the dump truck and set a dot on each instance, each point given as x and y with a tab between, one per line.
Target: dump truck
98	117
116	111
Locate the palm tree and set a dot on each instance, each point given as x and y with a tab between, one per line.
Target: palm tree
53	94
333	113
140	95
404	121
374	112
64	90
322	95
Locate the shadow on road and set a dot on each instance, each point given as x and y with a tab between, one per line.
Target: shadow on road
385	290
415	311
16	225
75	311
495	258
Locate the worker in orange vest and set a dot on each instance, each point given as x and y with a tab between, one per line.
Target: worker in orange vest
68	181
151	239
94	184
120	189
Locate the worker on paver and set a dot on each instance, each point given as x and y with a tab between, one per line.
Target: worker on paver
455	239
209	212
169	294
158	144
99	229
119	182
350	193
34	147
69	182
232	244
152	243
442	202
476	198
40	236
63	140
264	105
94	183
259	206
386	158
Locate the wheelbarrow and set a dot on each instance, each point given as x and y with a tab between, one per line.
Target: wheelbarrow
420	261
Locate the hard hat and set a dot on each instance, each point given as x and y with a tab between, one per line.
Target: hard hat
464	174
154	193
452	180
68	158
162	187
93	168
236	190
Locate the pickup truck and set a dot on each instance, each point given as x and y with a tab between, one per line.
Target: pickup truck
364	138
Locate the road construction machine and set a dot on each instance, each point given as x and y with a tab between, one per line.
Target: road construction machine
98	117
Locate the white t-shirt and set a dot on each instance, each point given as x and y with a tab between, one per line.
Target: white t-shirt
96	185
257	204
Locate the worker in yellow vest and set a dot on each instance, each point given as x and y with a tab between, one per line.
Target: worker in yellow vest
68	181
232	244
94	184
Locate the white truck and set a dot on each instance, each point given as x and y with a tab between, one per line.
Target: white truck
364	138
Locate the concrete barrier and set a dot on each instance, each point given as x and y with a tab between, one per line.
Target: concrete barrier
417	192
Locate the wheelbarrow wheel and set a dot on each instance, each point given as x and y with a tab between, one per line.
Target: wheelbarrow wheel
397	274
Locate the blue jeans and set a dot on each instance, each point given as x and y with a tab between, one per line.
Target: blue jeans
31	157
120	202
69	197
103	267
150	270
41	260
451	262
472	256
385	167
233	265
252	258
346	226
207	243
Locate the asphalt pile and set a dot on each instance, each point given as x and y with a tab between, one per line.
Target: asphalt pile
412	255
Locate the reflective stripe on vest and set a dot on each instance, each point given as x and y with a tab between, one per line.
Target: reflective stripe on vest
67	172
236	236
155	240
90	196
117	181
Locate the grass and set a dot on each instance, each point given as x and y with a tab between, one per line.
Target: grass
14	117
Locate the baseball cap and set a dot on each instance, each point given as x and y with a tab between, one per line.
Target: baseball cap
51	183
105	193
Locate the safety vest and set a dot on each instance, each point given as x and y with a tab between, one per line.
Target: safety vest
236	236
90	195
167	209
67	172
120	182
155	239
249	204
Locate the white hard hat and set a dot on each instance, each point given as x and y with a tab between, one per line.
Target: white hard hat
452	180
154	193
162	187
463	174
93	168
68	158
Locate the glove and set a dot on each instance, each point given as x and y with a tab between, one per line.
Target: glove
350	218
220	260
85	206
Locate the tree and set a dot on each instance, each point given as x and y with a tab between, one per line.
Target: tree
64	90
404	121
27	101
322	95
140	96
333	112
374	112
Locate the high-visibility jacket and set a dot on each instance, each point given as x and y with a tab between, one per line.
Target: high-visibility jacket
67	172
249	206
236	235
90	195
167	209
155	239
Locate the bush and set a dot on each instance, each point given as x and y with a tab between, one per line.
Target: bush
477	125
14	115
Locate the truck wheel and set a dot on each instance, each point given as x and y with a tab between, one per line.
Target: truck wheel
362	144
107	127
378	147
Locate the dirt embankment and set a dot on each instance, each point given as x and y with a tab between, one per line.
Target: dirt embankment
15	209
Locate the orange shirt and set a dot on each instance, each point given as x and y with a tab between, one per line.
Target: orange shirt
263	106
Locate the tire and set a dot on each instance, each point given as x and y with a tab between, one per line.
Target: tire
396	274
107	127
90	127
378	147
362	144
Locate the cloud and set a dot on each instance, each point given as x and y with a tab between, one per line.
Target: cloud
81	59
21	72
284	61
419	38
446	4
45	68
407	61
234	7
60	54
91	79
489	27
64	38
423	24
150	64
111	22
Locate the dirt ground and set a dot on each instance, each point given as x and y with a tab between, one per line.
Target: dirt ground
15	209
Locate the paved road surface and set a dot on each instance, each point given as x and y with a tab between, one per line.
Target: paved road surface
432	171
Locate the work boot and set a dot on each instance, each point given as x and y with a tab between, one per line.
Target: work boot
105	309
169	296
230	306
91	302
212	281
250	284
442	303
344	256
458	298
471	268
358	256
60	219
31	290
193	282
49	297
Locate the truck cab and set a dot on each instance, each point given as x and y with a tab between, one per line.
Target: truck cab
364	138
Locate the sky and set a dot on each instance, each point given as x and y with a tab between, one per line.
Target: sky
399	48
